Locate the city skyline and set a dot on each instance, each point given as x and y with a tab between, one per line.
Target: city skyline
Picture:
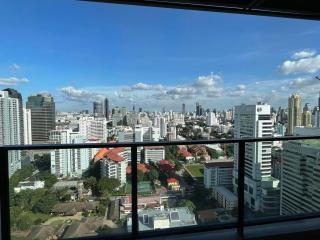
171	58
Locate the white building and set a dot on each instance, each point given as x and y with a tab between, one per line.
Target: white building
211	119
154	154
225	197
300	177
114	164
10	128
29	185
27	126
163	127
93	128
253	121
69	162
218	173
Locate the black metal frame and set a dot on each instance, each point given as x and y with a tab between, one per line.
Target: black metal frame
287	9
135	234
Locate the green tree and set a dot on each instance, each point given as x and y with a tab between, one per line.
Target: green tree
48	178
107	185
153	174
45	204
140	176
178	165
91	182
213	153
186	203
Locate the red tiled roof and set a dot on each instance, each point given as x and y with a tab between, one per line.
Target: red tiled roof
114	156
184	152
141	167
172	180
111	154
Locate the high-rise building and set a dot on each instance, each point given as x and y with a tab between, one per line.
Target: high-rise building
69	162
300	177
106	108
294	112
15	94
43	116
97	109
93	128
254	121
27	126
163	127
114	164
211	119
198	107
183	108
306	115
10	128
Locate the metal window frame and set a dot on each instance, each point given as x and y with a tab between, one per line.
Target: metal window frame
135	234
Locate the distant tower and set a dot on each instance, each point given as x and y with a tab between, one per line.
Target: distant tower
106	108
183	108
306	115
43	116
97	109
294	112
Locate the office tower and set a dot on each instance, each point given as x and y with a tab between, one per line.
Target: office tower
97	109
106	108
294	112
123	111
300	179
198	106
255	121
163	127
43	116
10	128
15	94
306	115
211	119
316	117
154	154
134	108
140	109
183	108
27	126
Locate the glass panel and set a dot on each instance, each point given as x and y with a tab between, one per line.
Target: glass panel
185	185
69	193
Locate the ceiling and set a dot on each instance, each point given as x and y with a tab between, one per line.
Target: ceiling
307	9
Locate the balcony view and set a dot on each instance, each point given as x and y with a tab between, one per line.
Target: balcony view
132	119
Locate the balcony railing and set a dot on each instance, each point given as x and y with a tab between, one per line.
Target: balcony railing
135	233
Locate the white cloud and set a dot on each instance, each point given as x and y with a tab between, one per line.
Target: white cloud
241	87
207	81
12	81
214	92
303	65
303	54
303	82
80	95
143	86
15	67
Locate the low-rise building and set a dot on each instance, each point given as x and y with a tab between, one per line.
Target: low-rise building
151	219
173	184
225	197
29	185
154	154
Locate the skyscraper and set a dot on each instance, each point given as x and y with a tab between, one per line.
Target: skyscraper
183	108
198	106
97	109
15	94
106	108
306	115
43	116
300	179
27	126
294	112
10	128
254	121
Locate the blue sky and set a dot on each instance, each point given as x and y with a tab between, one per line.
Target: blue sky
151	57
